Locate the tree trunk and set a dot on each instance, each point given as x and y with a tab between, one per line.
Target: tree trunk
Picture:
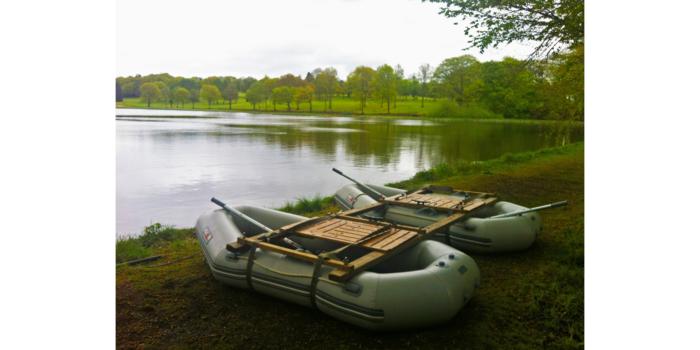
289	106
422	102
229	105
388	106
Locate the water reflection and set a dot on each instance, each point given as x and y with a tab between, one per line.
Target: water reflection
168	168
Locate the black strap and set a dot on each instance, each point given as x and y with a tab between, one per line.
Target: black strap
448	239
314	281
249	268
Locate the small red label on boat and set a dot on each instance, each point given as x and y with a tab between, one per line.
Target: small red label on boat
207	235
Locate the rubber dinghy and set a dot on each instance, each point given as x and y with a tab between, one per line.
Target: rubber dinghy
489	228
425	284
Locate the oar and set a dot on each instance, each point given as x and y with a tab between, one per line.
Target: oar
529	210
366	189
235	212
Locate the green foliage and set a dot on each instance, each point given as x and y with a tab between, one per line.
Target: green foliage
283	94
305	206
230	93
256	94
326	85
131	249
384	85
304	94
450	109
446	170
150	93
494	22
154	236
510	88
210	93
181	95
360	83
459	78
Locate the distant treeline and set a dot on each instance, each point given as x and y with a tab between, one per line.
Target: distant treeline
536	89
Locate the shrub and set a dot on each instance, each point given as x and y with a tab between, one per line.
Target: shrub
450	109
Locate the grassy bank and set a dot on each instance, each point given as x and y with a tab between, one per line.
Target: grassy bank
530	299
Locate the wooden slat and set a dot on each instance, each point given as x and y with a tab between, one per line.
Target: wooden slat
370	259
361	219
291	252
448	221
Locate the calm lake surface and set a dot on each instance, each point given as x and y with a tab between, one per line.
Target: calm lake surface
169	163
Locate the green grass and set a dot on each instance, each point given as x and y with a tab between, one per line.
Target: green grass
155	237
341	105
310	206
527	300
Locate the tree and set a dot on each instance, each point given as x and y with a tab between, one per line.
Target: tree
326	84
210	93
425	73
283	94
384	85
509	88
149	93
550	23
562	90
304	94
245	83
459	77
256	93
360	83
164	92
290	80
230	93
181	96
194	96
309	78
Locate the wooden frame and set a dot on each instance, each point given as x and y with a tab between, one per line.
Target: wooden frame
380	239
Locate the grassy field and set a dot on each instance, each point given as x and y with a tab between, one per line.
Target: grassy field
341	105
527	300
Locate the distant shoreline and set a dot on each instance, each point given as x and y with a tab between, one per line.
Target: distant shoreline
335	114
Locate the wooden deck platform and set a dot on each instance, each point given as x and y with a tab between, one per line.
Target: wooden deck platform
380	240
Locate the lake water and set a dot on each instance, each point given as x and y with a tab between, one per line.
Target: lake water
169	163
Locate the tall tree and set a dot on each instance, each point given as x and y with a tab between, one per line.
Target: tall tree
360	83
425	73
550	23
283	94
230	93
384	85
256	93
509	88
194	96
326	84
181	96
304	94
459	77
164	92
290	80
210	93
149	93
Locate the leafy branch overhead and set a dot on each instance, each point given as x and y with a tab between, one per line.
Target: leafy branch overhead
552	24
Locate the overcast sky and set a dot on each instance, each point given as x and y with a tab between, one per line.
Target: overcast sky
254	38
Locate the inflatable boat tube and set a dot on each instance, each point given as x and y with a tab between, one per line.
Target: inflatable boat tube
479	233
425	285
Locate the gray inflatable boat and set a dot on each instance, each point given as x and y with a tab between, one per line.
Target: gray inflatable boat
423	285
489	228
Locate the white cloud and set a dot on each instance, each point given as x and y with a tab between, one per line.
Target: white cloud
241	38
